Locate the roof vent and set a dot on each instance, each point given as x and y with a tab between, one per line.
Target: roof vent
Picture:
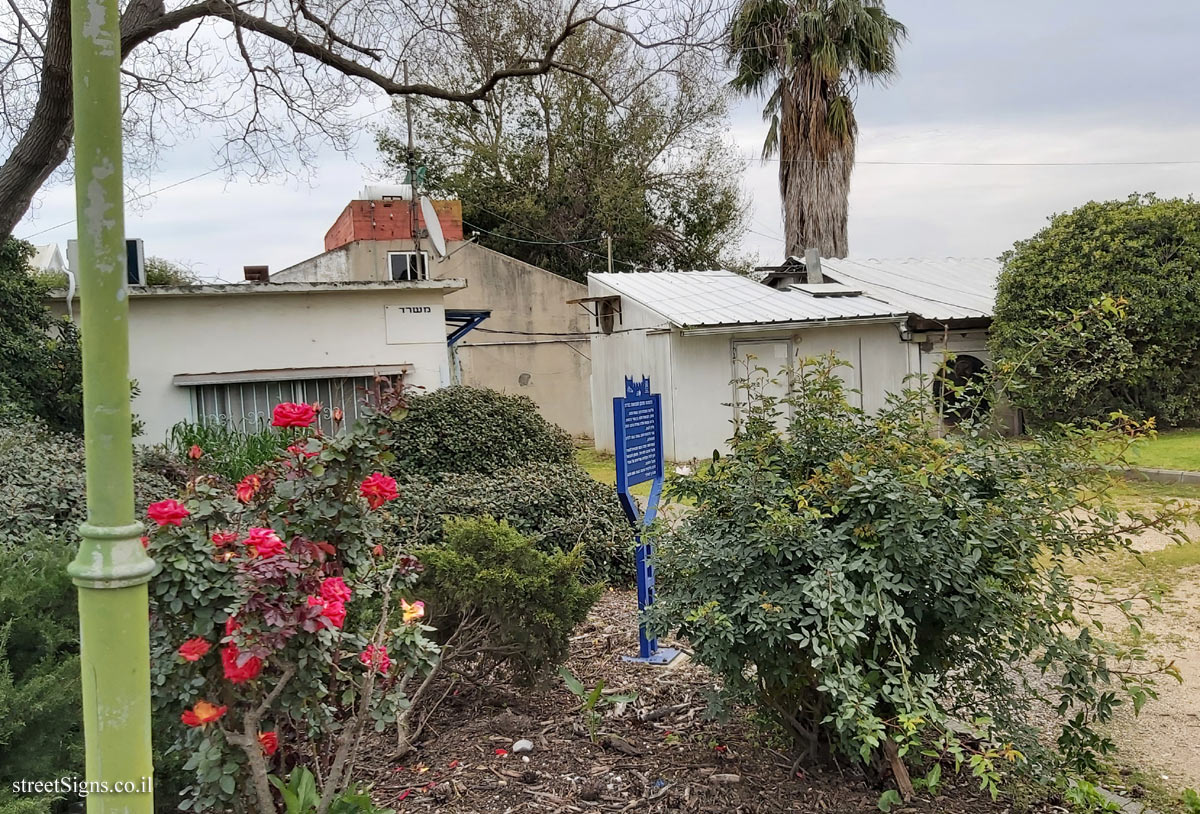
828	290
257	274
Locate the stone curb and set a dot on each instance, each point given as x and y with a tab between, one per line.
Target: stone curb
1161	475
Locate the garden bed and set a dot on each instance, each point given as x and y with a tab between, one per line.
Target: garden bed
677	762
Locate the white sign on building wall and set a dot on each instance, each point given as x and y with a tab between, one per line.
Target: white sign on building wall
408	324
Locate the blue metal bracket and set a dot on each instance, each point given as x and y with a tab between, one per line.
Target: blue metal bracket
466	321
637	431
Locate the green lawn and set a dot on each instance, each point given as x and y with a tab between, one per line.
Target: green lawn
1172	449
603	467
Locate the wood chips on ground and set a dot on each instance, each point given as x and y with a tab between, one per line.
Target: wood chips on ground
676	762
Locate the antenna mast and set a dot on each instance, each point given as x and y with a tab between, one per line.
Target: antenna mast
411	160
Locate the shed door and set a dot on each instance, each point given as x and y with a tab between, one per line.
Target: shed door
774	357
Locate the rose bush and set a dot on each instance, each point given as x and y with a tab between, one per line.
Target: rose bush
259	655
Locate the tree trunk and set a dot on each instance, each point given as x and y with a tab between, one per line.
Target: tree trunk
47	140
814	173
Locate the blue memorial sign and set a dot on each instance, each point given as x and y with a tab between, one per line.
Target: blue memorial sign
637	430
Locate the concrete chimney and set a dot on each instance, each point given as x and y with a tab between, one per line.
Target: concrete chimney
812	266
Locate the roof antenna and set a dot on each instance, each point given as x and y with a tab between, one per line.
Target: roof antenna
412	174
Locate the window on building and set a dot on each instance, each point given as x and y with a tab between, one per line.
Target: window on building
408	266
248	406
608	312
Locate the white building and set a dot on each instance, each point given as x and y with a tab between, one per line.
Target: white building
231	352
533	342
692	333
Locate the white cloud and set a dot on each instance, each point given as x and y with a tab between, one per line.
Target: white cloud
911	211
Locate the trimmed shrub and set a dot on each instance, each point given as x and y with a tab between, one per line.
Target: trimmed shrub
559	507
42	487
472	430
1142	252
41	734
499	602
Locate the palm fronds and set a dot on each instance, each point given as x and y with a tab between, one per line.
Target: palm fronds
805	57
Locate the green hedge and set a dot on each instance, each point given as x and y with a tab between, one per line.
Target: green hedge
558	506
42	482
473	430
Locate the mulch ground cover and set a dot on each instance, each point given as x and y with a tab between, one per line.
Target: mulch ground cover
656	754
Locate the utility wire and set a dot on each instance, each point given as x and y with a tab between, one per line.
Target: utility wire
129	200
180	183
859	162
533	242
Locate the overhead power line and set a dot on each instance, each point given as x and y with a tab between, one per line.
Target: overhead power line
181	183
533	242
128	200
886	163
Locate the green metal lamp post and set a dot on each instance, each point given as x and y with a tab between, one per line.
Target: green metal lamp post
111	568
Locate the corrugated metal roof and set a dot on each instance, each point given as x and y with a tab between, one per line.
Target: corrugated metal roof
937	289
692	299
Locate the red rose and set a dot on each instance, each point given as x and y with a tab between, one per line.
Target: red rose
248	487
289	414
377	551
224	538
193	649
202	713
337	414
378	489
145	542
231	624
248	669
195	453
167	512
376	657
335	612
269	741
334	589
265	542
301	450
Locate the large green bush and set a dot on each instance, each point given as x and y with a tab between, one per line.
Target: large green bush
867	581
1141	250
474	430
42	481
558	506
40	368
499	601
41	735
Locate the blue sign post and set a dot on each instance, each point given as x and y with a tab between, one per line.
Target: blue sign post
637	429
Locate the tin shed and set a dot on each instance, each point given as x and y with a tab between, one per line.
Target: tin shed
691	332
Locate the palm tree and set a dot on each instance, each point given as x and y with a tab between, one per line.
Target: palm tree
807	57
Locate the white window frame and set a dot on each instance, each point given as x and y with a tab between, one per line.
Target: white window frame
422	265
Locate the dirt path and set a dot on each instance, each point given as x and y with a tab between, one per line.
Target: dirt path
1165	737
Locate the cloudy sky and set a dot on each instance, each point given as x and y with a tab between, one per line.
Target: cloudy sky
1003	114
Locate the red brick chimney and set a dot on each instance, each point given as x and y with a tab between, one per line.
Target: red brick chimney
390	219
